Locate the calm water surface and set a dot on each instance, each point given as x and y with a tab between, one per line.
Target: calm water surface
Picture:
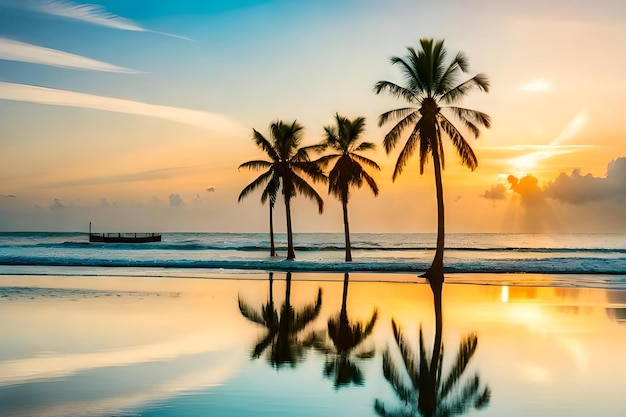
309	346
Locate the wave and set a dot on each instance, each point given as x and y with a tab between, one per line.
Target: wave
244	247
554	265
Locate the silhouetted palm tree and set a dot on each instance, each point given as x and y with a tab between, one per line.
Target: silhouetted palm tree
287	162
282	328
348	169
430	86
272	185
432	393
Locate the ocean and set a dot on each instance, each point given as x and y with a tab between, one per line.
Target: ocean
591	260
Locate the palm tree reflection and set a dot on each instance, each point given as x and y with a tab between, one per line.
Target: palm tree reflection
430	392
346	338
283	328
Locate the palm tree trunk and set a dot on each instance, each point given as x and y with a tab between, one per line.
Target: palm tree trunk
272	247
291	253
271	288
344	298
435	272
346	229
429	401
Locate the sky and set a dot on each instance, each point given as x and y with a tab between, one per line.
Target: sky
136	114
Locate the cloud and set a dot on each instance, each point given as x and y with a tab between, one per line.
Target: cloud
496	192
176	200
11	50
574	126
580	189
527	188
88	13
54	97
575	188
210	190
57	205
536	86
156	174
8	196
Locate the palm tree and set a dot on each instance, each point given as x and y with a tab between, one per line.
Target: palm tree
283	328
433	393
348	170
272	185
346	337
430	86
287	163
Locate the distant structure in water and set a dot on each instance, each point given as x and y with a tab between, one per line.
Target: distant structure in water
123	237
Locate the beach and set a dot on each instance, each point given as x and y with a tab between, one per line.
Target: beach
76	345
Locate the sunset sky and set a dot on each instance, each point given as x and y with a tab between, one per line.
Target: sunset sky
135	114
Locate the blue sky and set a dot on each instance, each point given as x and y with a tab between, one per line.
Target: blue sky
125	112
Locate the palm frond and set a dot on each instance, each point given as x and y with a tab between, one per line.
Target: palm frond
463	149
479	81
407	355
370	325
395	114
258	182
395	91
307	314
265	145
262	344
323	161
365	146
250	313
365	161
394	377
467	349
380	409
391	138
409	70
448	78
371	182
309	192
473	116
483	399
302	155
255	165
409	147
310	168
271	190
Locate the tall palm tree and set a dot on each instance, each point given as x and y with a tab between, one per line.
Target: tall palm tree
283	328
430	86
288	161
432	393
272	185
348	170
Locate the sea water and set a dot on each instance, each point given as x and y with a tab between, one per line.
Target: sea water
599	259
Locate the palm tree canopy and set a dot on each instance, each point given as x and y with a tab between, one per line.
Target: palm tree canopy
431	84
286	165
343	138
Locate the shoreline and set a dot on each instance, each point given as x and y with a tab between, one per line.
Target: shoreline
613	282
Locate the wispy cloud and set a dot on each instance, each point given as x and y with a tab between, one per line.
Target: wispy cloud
88	13
54	97
156	174
573	127
536	86
12	50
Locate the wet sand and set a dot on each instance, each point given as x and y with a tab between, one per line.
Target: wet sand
99	346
